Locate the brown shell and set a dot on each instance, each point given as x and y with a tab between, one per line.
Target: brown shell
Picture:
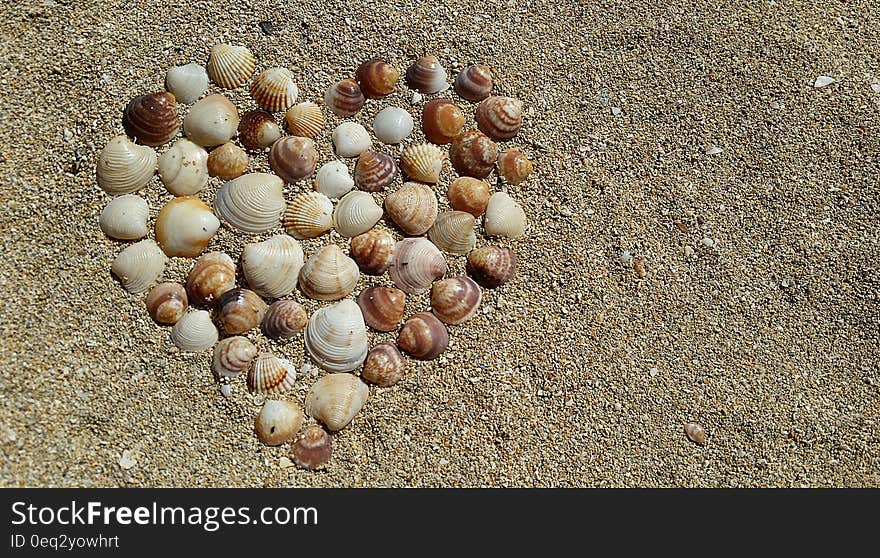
413	207
416	265
305	120
258	130
423	336
167	303
500	118
695	433
151	119
241	310
514	166
474	83
293	158
426	75
270	375
492	266
232	356
442	121
344	98
313	448
284	319
382	307
212	275
455	300
385	366
469	194
374	171
377	78
373	251
227	161
473	154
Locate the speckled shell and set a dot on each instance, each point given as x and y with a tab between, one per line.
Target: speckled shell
455	300
328	274
377	78
151	119
241	310
474	83
473	154
271	375
500	118
333	179
252	202
194	332
382	307
442	121
167	303
187	83
271	267
138	266
469	194
356	213
293	158
426	75
230	66
232	356
453	232
212	275
211	121
125	217
492	266
258	130
423	336
413	208
335	399
274	89
284	319
422	162
313	448
350	139
184	168
417	263
385	366
344	98
185	226
305	120
373	251
392	125
374	171
504	217
514	166
308	215
227	161
336	337
124	167
695	433
278	422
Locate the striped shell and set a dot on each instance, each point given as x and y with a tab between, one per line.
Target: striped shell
417	263
344	98
473	154
474	83
211	121
241	310
212	275
335	399
258	130
284	319
271	375
382	307
468	194
492	266
232	356
271	267
413	207
350	139
336	337
514	166
138	266
422	162
124	167
384	366
252	202
377	78
305	120
230	66
184	168
392	125
187	83
373	251
227	161
423	336
278	422
333	179
356	213
167	303
504	217
426	75
455	300
374	171
151	119
194	332
328	274
453	232
274	89
125	217
442	121
308	215
500	118
293	158
185	226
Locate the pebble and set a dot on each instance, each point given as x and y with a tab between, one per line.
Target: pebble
616	111
416	98
708	242
625	258
653	372
688	252
695	433
267	27
565	211
285	463
127	460
226	390
714	150
822	81
875	87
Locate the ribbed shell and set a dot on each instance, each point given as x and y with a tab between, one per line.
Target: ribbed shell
500	118
187	83
333	179
328	274
474	83
284	319
293	158
124	167
335	399
356	213
212	275
392	125
374	171
230	66
413	208
453	232
274	89
151	119
232	356
514	166
377	78
184	168
258	130
336	337
473	154
382	307
373	251
350	139
271	375
308	215
422	162
252	202
455	300
167	303
138	266
385	366
125	217
417	263
426	75
423	336
492	266
468	194
272	266
442	121
241	310
305	120
227	161
504	217
194	332
185	226
344	98
211	121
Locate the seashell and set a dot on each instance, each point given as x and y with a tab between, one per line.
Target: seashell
138	266
413	207
194	332
272	266
305	120
274	89
382	307
125	217
474	83
184	168
185	226
384	366
232	356
313	448
356	213
336	337
350	139
328	274
293	158
335	399
492	266
374	171
392	125
500	118
124	166
278	422
167	303
151	119
333	179
241	310
211	121
468	194
417	263
473	154
423	336
695	433
271	375
422	162
227	161
442	121
187	83
230	66
372	251
504	217
212	275
284	319
455	300
514	166
252	202
453	232
258	130
344	98
308	215
426	75
377	78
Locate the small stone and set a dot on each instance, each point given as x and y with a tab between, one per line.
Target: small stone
615	111
639	266
786	282
127	460
443	462
285	463
617	406
822	81
695	433
653	372
625	258
68	135
416	98
708	242
226	390
875	87
714	150
688	252
267	27
565	211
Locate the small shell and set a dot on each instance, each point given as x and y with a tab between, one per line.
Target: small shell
278	422
373	251
308	215
513	166
167	303
442	121
455	300
125	217
384	366
423	336
258	130
504	217
151	119
227	161
695	433
492	266
333	179
500	118
124	167
232	356
194	332
377	78
473	154
305	120
185	226
335	399
413	208
426	75
328	274
313	448
474	83
252	202
184	168
274	89
453	232
241	310
212	275
392	125
271	375
374	171
272	266
344	98
356	213
293	158
230	66
187	83
336	337
284	319
469	194
382	307
422	162
138	266
211	121
417	263
350	139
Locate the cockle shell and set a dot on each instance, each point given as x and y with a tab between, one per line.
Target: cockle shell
382	307
278	422
453	232
469	194
184	168
423	336
194	332
336	337
333	179
274	89
413	207
384	365
373	251
504	217
514	166
500	118
474	83
212	275
138	266
252	202
185	226
230	66
328	274
187	83
392	125
271	375
124	167
211	121
227	161
308	215
473	154
241	310
492	266
426	75
377	78
351	139
442	121
232	356
272	266
167	303
305	120
417	263
335	399
125	217
151	119
313	448
344	98
356	213
374	171
293	158
455	300
284	319
422	162
258	130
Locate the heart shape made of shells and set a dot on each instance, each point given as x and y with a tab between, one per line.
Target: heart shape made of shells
335	335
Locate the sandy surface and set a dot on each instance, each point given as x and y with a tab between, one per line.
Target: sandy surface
580	372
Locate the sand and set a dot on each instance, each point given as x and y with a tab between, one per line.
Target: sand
658	284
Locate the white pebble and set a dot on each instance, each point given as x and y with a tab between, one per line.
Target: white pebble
625	258
285	463
653	372
127	460
416	98
615	111
875	87
714	150
708	242
822	81
226	390
688	252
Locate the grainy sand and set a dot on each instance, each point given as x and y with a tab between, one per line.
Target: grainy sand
579	372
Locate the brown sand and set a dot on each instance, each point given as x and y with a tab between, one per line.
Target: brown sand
579	372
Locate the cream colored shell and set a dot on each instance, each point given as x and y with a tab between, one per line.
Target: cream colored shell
453	232
184	168
139	266
194	332
355	214
328	274
272	266
252	202
125	217
504	217
336	337
335	399
230	66
211	121
124	166
187	83
308	215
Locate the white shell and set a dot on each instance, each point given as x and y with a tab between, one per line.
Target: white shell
125	217
333	179
125	166
329	274
194	331
351	139
453	232
271	375
139	265
184	168
504	217
335	399
278	422
336	337
272	267
187	83
392	125
184	226
356	213
308	215
211	121
251	203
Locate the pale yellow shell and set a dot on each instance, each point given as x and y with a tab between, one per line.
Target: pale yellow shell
422	162
230	66
328	274
335	399
453	232
305	119
185	226
308	215
413	207
272	266
124	166
252	202
336	337
138	266
356	213
504	217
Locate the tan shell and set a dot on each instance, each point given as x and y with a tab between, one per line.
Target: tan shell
293	158
455	300
272	266
313	448
423	336
373	251
241	310
514	166
344	98
328	274
474	83
305	120
151	119
184	168
374	171
167	303
185	226
695	433
278	422
308	215
271	375
258	130
504	217
230	66
335	399
492	266
473	154
453	232
377	78
382	307
442	121
187	83
232	356
422	162
413	208
284	319
500	118
356	213
426	75
194	332
125	217
252	202
212	275
124	166
227	161
138	266
336	337
274	89
417	263
385	366
211	121
469	194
